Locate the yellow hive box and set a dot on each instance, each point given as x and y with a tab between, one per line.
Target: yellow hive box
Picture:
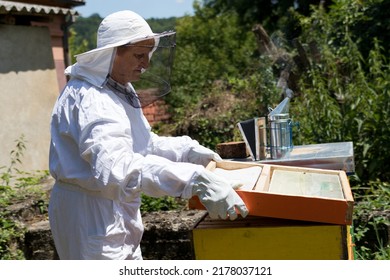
259	238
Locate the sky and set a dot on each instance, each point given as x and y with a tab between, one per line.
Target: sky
145	8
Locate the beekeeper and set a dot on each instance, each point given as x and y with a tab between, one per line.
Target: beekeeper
103	153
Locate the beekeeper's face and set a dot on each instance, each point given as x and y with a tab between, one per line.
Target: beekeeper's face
131	60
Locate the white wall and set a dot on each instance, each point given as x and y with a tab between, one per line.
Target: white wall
28	90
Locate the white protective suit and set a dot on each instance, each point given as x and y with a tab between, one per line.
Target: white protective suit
102	156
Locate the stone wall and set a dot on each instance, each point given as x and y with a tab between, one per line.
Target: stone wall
167	236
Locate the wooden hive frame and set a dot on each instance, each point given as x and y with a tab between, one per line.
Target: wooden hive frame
261	202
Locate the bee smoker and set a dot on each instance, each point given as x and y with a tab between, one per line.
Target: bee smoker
280	139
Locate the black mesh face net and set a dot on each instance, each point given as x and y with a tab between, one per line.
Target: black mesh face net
155	80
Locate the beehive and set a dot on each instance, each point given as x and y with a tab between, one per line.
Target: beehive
296	193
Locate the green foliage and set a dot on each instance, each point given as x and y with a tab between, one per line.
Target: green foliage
84	32
208	68
271	14
206	51
214	118
371	221
152	204
364	21
345	96
76	47
10	233
161	25
16	186
15	155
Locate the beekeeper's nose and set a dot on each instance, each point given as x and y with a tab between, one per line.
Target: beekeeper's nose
143	60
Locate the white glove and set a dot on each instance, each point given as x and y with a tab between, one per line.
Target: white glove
202	155
218	196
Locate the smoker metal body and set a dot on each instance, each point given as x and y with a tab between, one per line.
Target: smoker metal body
280	135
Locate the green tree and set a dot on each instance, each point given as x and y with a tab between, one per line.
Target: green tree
269	13
85	30
214	58
160	25
344	96
76	48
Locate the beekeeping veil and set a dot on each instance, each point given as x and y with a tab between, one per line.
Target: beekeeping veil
126	28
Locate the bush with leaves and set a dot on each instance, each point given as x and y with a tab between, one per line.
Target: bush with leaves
15	187
372	221
218	78
345	96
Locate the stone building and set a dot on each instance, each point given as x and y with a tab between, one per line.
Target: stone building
33	56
